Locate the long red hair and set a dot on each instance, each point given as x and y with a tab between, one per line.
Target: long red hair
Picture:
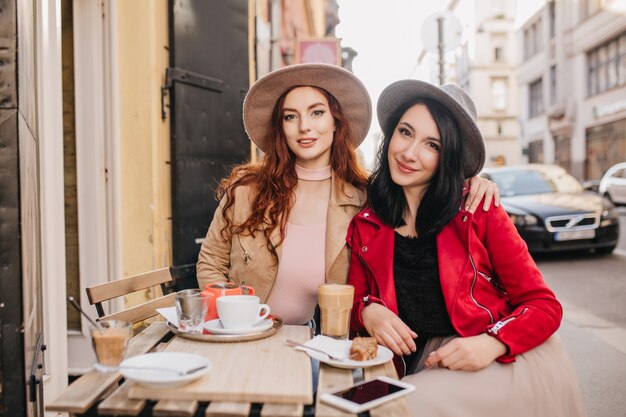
274	178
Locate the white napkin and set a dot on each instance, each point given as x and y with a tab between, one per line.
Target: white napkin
170	315
338	348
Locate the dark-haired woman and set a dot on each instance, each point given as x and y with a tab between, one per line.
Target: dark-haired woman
455	293
281	223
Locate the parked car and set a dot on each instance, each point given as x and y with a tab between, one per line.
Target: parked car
591	185
613	184
552	211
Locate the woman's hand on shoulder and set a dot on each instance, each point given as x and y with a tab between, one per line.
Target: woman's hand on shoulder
479	188
467	353
388	329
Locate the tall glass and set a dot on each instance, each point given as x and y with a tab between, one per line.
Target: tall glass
110	342
335	301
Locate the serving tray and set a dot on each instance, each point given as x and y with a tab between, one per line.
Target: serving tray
228	338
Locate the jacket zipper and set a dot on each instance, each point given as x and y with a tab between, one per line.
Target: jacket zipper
246	256
493	282
499	325
372	274
472	291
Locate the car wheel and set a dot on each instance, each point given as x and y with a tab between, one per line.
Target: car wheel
605	250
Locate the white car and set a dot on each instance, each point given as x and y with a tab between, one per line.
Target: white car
613	184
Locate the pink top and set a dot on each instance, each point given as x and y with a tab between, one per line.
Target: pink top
302	264
300	271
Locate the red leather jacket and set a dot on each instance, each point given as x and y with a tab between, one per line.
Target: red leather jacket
489	281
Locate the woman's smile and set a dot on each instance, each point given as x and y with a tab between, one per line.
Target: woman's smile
307	142
405	168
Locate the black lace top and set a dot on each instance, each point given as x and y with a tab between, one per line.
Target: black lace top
418	289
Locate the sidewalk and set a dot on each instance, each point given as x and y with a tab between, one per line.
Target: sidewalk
601	368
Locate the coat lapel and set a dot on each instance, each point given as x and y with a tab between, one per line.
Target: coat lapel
342	206
376	250
275	239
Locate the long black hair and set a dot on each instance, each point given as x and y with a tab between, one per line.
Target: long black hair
442	198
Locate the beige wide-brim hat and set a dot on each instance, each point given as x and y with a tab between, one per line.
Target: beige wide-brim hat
349	91
454	99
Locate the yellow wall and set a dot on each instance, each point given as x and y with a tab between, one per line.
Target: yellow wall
145	225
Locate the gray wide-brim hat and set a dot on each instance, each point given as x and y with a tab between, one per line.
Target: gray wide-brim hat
349	91
454	99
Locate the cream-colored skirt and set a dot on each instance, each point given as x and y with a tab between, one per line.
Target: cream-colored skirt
540	383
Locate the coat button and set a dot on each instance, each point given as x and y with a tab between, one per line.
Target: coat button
366	214
364	249
464	219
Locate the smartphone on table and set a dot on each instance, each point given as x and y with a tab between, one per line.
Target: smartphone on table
367	394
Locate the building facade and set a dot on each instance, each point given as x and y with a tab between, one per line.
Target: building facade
485	68
484	65
87	152
572	80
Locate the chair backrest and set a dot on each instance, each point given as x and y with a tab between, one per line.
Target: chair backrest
103	292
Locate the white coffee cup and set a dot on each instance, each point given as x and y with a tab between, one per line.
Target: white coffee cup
241	311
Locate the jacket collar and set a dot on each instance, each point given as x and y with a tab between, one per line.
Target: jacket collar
376	247
350	196
378	238
338	217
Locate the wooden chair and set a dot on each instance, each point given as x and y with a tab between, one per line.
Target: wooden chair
104	292
149	337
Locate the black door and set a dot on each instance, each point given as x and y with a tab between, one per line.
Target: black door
21	319
208	76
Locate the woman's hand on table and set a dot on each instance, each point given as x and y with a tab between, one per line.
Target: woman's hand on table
467	353
480	187
388	329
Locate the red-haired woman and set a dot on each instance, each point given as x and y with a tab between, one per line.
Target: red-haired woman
281	224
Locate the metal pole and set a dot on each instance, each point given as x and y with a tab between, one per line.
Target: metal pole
440	46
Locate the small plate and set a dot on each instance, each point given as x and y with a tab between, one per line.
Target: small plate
160	368
382	356
215	327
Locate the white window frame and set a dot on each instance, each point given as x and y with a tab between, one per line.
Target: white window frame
49	113
97	159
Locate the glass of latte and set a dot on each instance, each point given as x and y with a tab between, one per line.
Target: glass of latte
335	301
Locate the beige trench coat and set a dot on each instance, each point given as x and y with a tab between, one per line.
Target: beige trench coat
246	260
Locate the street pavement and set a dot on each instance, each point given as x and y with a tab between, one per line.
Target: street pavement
601	369
592	289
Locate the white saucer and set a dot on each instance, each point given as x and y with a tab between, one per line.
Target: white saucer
215	327
158	368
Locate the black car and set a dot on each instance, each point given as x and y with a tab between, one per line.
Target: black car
551	210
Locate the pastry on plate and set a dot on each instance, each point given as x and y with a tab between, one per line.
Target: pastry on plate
363	348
